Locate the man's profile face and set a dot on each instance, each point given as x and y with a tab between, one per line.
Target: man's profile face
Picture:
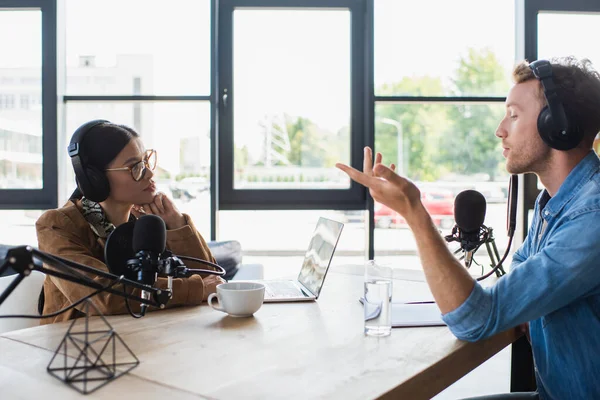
522	145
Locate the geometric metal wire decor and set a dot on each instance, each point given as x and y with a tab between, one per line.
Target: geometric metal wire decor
89	358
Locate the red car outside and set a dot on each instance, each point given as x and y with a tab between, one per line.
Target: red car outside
439	204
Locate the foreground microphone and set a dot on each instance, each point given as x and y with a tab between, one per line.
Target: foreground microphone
122	259
149	242
119	249
469	214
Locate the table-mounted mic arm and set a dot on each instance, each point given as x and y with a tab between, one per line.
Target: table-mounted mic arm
92	366
20	259
493	253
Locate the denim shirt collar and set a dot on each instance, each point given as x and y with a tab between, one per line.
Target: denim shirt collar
578	177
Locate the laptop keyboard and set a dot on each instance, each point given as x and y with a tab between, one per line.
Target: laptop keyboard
283	289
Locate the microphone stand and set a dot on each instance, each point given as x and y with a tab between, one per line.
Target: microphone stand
87	366
486	236
492	250
146	266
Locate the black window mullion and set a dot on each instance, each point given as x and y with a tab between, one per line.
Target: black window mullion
16	4
369	121
439	99
214	121
130	98
223	99
47	196
533	7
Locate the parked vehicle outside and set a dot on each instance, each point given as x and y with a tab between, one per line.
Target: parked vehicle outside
438	202
189	188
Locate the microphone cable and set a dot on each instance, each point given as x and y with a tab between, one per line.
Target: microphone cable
511	220
219	270
129	310
510	238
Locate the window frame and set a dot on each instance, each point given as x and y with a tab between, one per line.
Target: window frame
47	196
352	198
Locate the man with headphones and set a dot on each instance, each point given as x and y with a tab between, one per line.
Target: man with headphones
553	288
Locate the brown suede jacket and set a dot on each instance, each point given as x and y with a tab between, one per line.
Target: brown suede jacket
64	232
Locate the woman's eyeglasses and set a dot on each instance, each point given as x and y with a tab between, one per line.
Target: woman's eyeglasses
138	170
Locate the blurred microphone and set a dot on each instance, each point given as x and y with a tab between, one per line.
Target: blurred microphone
149	240
469	214
119	249
137	251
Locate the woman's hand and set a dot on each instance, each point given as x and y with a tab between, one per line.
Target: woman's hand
210	284
164	208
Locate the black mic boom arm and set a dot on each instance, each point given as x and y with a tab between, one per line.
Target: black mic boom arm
20	259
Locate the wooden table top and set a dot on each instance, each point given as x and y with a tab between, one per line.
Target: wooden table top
286	350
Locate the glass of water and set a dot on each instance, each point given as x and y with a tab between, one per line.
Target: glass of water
378	299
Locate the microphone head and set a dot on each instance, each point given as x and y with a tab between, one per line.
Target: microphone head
150	234
469	211
119	248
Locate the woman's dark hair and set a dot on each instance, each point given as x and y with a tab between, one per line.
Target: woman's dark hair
101	145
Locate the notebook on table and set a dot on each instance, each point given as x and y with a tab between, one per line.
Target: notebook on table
412	314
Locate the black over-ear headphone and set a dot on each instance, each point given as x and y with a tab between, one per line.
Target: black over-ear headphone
91	180
552	123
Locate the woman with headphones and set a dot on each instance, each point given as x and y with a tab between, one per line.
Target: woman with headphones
114	185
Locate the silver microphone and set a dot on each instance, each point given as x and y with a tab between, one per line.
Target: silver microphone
468	258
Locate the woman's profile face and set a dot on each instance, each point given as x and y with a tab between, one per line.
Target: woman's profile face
123	188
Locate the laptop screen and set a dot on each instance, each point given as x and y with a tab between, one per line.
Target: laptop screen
319	254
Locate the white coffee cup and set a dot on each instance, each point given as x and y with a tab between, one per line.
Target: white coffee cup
238	299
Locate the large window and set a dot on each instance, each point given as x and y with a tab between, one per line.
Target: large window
291	103
20	125
420	46
439	93
27	132
567	41
138	47
149	67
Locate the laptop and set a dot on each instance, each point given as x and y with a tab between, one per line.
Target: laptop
314	268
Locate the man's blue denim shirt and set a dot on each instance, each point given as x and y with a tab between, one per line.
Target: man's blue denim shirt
554	284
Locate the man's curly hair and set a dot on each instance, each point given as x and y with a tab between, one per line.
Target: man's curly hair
578	85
